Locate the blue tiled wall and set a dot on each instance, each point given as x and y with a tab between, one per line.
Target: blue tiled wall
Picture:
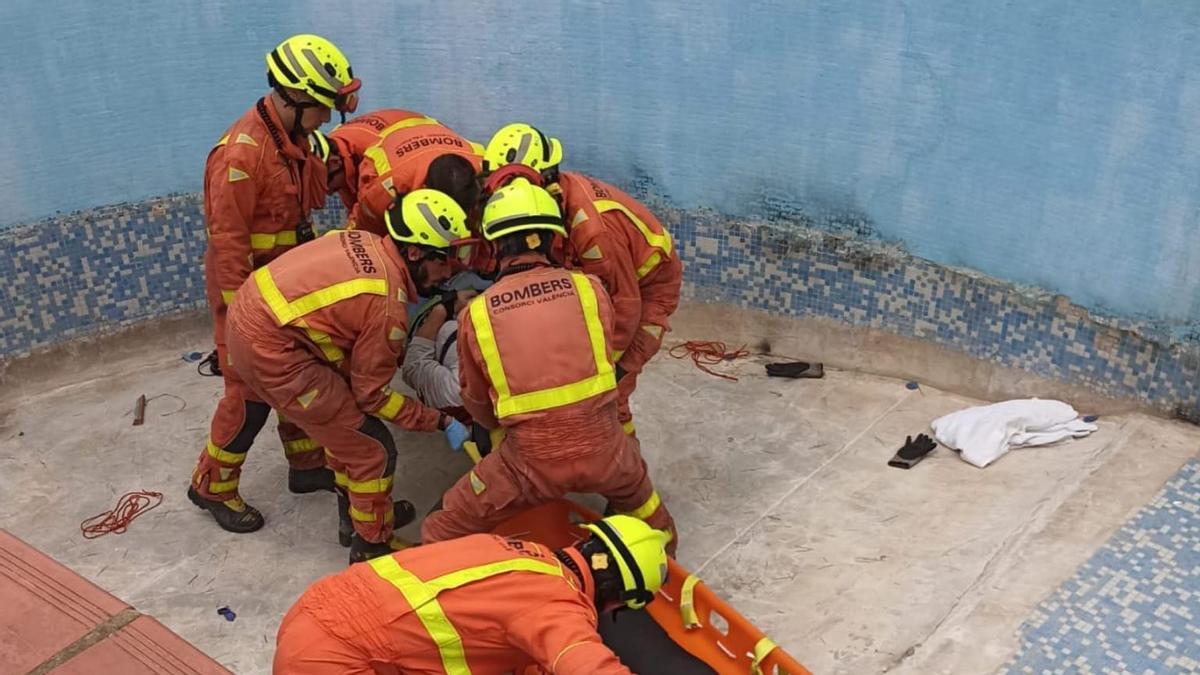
80	274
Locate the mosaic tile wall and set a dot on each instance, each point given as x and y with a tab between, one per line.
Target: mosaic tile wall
1135	606
111	267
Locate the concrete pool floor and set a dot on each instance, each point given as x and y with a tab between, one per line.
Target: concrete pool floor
781	491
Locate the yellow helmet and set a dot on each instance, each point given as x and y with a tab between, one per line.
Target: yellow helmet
314	65
640	553
427	218
318	144
522	144
520	206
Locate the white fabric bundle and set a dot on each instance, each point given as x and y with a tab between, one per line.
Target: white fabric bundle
985	433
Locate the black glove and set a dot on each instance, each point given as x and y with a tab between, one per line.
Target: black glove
912	452
796	369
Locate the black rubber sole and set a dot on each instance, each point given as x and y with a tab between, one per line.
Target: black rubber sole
218	511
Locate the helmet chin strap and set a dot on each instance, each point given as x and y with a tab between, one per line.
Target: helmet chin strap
298	108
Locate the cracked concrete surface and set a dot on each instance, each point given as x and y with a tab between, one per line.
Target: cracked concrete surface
780	488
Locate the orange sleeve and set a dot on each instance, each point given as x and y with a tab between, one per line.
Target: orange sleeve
561	637
232	195
373	200
471	379
373	364
601	254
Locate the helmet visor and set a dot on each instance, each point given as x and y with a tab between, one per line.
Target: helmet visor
346	100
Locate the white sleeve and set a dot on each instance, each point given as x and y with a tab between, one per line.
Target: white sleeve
436	384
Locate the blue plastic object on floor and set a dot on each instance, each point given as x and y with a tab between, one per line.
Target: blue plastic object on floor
911	386
1090	418
192	357
227	613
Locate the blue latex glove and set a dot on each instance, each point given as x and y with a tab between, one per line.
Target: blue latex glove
456	435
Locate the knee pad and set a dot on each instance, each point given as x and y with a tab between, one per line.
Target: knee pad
254	417
373	427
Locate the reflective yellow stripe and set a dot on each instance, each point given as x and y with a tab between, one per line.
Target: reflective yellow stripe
617	354
422	597
332	352
223	456
423	601
687	605
223	141
379	158
364	517
300	446
472	451
628	428
217	487
761	649
648	266
370	487
392	406
407	124
266	242
340	479
227	297
507	403
646	510
661	242
287	312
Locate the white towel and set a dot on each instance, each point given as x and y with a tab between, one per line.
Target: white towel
984	433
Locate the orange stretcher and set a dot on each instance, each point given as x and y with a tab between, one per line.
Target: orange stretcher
704	629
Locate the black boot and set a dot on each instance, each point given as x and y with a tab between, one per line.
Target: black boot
362	550
304	481
231	519
403	509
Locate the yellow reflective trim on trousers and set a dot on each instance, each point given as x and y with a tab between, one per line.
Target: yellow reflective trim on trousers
648	508
332	352
217	487
507	403
687	603
340	479
300	446
364	517
407	124
370	487
423	601
422	597
227	297
659	241
223	456
266	242
392	406
761	649
287	312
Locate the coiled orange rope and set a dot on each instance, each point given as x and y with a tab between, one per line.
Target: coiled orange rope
130	506
706	353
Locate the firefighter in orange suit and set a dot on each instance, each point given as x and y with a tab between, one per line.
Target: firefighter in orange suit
613	237
260	184
317	333
347	144
480	604
416	152
535	358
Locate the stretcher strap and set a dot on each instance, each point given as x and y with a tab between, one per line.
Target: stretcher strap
764	647
687	606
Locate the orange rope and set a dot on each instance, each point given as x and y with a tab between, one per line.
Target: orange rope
130	506
706	353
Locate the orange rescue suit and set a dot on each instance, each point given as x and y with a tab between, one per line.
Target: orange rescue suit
534	359
356	135
398	164
480	604
259	188
317	334
617	239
